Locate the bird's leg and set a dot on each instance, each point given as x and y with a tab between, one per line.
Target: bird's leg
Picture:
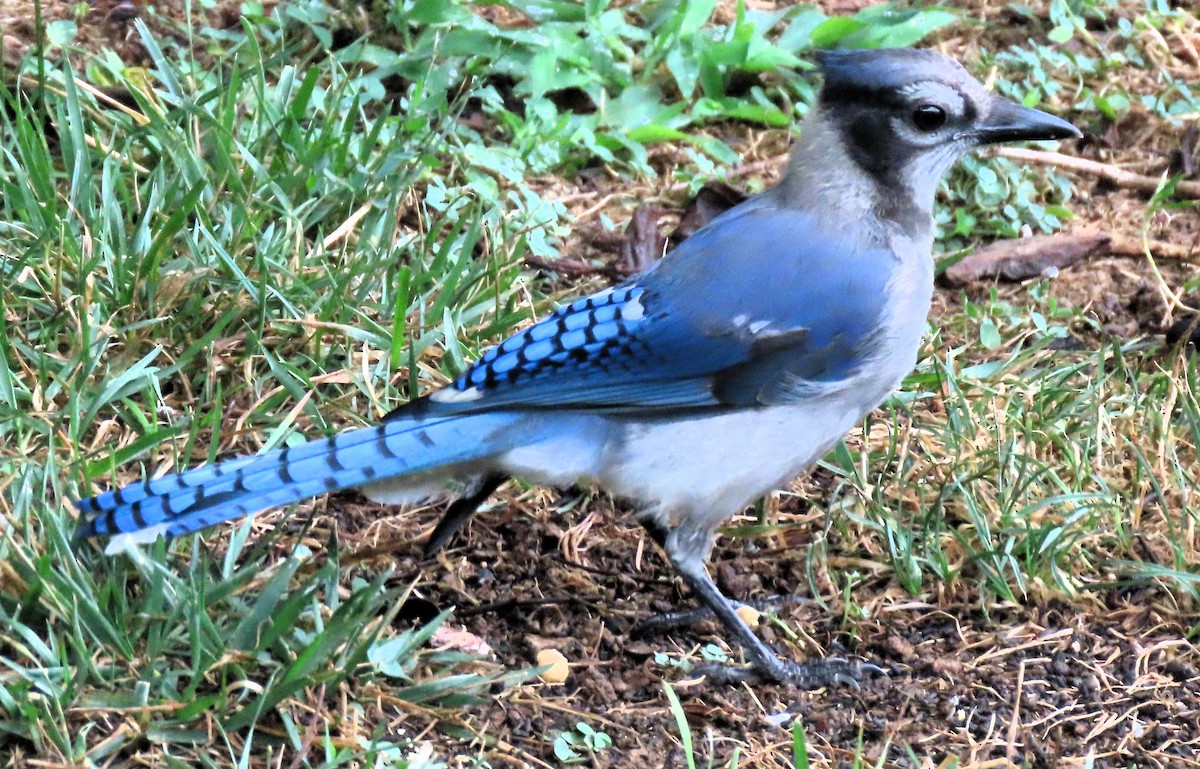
673	620
460	511
687	549
665	622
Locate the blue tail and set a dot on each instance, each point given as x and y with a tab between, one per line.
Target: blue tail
393	450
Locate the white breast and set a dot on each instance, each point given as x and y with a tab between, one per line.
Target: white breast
711	468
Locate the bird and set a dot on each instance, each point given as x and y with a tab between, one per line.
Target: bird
717	375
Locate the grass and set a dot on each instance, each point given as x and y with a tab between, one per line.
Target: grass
256	247
1028	465
284	241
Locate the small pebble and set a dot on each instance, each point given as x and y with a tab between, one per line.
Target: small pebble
749	615
555	664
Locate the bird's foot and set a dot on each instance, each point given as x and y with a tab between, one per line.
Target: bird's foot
673	620
815	674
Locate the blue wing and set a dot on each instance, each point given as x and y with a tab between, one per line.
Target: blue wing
701	330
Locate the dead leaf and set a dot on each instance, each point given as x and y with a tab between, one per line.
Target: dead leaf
713	199
644	244
457	639
1023	258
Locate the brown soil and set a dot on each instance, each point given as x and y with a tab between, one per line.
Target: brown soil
1047	683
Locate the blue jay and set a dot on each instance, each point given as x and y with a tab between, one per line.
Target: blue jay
694	388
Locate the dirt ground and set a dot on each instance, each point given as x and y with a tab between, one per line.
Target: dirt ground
1109	677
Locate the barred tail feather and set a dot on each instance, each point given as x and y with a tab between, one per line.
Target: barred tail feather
392	451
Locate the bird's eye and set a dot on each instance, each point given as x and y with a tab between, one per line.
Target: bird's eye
929	117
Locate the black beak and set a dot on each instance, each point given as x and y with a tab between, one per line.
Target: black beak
1007	121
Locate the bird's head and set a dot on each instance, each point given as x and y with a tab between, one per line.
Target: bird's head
906	115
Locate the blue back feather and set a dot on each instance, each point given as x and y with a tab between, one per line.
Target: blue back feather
666	340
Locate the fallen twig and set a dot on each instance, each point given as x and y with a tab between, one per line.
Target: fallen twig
1124	246
310	730
1110	173
1024	258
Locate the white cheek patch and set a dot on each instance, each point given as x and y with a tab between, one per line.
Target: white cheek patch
926	171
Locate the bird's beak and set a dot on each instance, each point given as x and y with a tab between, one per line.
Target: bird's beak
1008	121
